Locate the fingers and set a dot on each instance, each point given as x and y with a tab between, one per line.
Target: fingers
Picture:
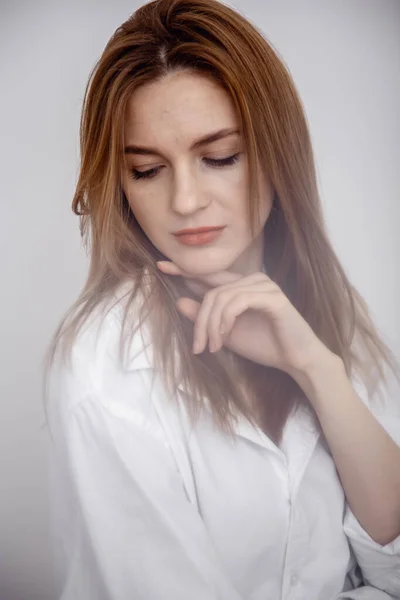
221	326
169	267
208	318
188	307
230	296
221	306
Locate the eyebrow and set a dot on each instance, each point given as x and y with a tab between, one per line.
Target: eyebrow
207	139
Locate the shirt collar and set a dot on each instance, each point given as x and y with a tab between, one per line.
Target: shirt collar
300	434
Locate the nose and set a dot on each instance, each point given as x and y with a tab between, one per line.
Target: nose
187	195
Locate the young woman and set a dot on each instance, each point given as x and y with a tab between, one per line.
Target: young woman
209	440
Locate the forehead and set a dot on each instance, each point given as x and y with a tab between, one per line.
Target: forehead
179	107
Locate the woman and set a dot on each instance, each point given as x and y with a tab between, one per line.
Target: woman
209	442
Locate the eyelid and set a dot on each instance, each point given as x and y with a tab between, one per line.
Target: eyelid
225	154
153	171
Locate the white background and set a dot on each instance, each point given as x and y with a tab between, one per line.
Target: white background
345	59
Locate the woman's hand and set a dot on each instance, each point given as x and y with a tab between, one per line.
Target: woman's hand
252	317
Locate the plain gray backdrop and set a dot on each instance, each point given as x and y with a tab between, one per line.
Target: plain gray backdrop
345	59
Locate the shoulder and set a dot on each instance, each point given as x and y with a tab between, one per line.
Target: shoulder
97	360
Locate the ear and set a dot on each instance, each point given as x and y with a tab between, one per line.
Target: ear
188	307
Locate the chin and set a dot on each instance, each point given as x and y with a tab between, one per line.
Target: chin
206	265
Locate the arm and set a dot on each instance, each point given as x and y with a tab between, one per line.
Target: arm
127	529
368	462
366	457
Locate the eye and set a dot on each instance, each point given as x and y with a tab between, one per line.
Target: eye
211	162
145	174
222	162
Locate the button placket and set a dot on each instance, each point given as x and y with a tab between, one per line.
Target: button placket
295	551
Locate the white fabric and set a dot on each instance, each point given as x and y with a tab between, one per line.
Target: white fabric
144	507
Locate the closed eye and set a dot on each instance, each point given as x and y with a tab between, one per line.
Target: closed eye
215	163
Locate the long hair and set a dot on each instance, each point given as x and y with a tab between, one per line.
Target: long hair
211	39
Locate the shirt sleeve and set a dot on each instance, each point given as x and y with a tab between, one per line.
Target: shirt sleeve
123	524
380	565
365	593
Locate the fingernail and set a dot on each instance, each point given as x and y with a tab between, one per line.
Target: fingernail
168	267
196	347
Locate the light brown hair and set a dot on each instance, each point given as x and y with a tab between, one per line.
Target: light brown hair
209	38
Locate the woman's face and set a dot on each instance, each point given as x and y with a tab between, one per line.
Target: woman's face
176	181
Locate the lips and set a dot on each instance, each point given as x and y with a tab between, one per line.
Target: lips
198	230
198	236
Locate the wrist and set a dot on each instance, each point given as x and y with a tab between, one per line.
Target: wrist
323	372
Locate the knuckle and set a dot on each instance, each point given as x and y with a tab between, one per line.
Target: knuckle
221	297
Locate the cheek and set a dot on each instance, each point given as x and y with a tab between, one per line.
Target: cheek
149	215
141	206
145	217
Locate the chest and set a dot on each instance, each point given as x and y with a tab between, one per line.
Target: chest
270	511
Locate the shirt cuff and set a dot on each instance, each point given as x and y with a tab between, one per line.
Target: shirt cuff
380	565
357	533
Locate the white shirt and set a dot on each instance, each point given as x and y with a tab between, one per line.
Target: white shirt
146	507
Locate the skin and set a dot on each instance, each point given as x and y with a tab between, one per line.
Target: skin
186	192
239	306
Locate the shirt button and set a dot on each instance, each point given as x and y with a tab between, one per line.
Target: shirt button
294	579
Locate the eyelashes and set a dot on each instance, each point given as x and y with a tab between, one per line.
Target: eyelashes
215	163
